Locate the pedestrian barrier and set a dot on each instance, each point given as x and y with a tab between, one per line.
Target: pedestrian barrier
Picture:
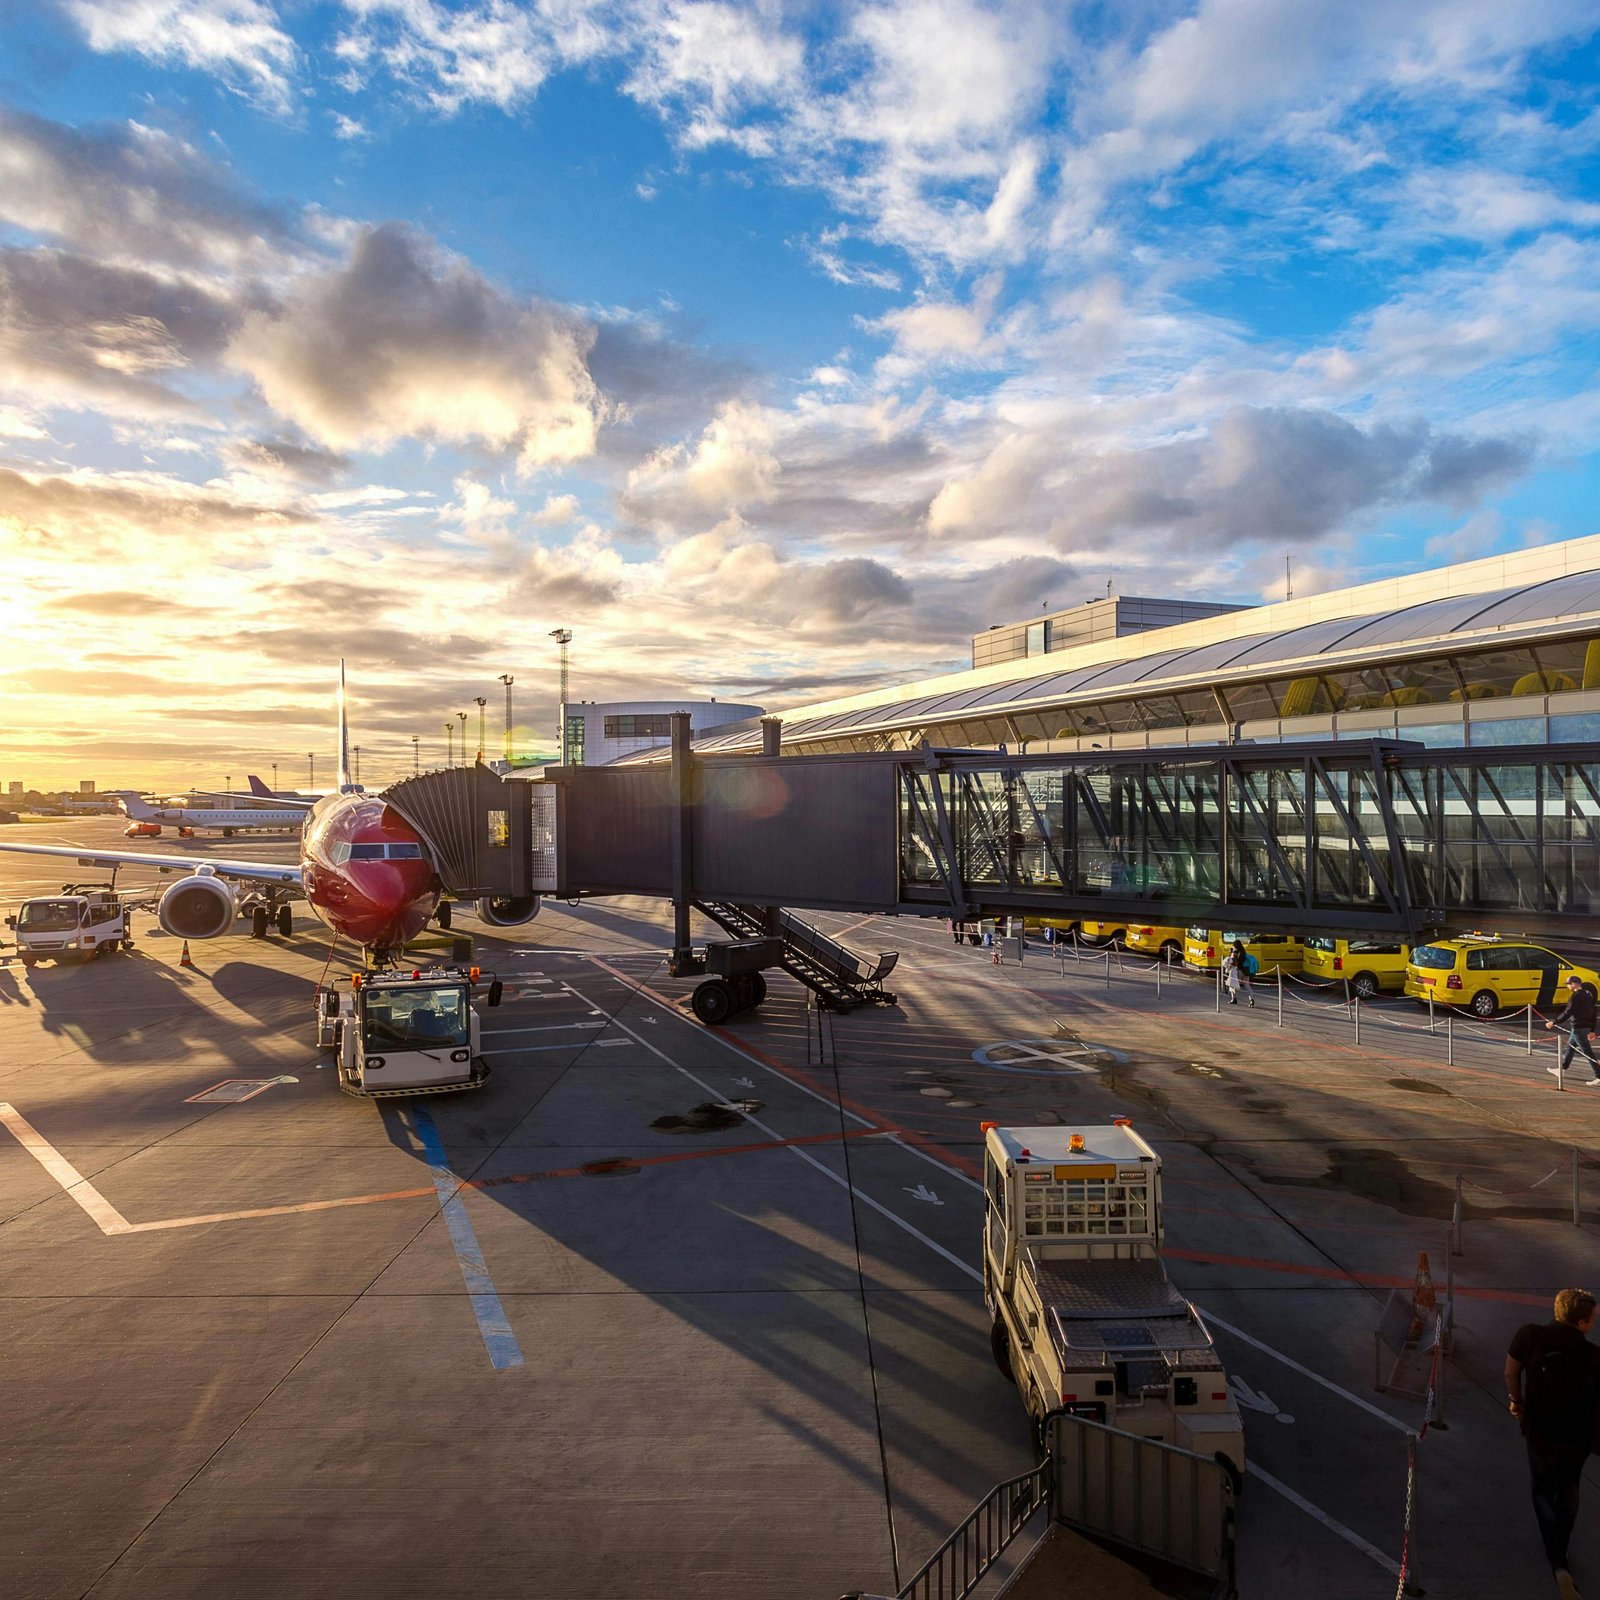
1432	1417
1574	1161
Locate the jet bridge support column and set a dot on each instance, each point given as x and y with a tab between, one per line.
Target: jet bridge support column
772	745
683	962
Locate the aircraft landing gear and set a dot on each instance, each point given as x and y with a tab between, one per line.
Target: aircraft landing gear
285	921
443	915
258	922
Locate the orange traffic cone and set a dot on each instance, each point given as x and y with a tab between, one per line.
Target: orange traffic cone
183	960
1424	1302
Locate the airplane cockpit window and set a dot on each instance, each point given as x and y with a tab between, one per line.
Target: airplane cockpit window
382	852
366	852
405	852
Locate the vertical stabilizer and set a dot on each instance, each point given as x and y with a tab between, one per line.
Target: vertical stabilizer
344	734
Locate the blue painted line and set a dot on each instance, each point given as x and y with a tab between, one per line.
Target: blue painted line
498	1339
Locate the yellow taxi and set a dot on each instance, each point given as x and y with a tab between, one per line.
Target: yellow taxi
1205	949
1486	974
1101	932
1157	940
1369	966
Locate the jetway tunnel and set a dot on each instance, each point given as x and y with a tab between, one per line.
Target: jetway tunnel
1380	836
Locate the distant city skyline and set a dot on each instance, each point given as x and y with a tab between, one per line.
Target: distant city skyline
773	349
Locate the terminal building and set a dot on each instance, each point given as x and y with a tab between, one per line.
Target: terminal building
1499	651
595	733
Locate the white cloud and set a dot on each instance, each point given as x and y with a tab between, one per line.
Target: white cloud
731	466
239	41
407	341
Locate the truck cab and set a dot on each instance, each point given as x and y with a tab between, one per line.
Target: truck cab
405	1032
80	922
1085	1317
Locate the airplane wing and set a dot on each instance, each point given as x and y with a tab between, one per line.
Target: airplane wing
244	871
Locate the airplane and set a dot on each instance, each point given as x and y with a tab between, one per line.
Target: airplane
363	870
259	791
230	820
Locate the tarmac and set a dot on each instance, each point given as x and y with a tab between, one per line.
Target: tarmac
674	1311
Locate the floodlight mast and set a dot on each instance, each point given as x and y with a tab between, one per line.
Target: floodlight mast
508	680
563	637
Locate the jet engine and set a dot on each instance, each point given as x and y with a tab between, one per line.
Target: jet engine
508	912
201	907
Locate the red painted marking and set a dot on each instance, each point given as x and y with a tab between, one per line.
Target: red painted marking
1365	1280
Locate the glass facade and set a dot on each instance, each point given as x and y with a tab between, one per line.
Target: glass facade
1312	834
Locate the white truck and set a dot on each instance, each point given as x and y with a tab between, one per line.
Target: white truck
83	921
405	1031
1085	1318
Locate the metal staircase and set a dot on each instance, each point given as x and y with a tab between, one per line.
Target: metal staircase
840	979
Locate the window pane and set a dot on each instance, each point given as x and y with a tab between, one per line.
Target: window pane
1497	673
1511	730
1250	702
1442	734
1581	728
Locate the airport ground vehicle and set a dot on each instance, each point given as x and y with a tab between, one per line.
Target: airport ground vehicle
1369	966
1156	939
83	921
1085	1317
142	830
1205	949
1485	974
405	1031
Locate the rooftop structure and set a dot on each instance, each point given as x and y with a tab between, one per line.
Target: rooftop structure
1107	617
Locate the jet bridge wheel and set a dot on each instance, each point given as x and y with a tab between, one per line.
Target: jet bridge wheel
712	1002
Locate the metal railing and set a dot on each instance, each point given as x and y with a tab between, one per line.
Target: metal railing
956	1568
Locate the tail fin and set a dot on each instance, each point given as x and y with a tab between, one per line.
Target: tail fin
133	804
344	735
259	789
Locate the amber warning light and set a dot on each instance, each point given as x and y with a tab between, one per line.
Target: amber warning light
1075	1144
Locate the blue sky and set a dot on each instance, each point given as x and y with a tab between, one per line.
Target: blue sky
773	348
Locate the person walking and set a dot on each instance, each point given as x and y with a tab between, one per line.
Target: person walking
1577	1016
1553	1380
1236	974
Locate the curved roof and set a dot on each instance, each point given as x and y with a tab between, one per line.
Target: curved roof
1508	615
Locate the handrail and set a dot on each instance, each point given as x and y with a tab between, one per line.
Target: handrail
957	1567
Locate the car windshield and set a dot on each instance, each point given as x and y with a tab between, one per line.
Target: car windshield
1320	942
420	1019
48	916
1433	955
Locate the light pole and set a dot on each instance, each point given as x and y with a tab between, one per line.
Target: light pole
463	716
449	744
416	757
358	763
507	680
480	703
274	774
563	637
311	769
229	790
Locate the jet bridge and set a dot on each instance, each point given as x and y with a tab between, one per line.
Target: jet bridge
1379	836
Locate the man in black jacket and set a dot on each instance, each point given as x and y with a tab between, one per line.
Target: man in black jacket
1578	1017
1553	1379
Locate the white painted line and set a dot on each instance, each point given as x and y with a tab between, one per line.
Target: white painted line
1333	1526
106	1216
1306	1372
547	1027
811	1161
532	1049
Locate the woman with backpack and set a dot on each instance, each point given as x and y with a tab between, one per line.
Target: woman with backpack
1237	971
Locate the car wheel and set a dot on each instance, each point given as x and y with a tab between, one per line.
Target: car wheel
1172	954
1365	984
1484	1004
1000	1344
758	989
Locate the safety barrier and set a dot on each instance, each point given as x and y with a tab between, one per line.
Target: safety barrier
1362	1013
1406	1583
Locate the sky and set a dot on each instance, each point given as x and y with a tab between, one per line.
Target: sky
772	348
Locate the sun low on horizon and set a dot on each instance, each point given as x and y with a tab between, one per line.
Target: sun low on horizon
773	349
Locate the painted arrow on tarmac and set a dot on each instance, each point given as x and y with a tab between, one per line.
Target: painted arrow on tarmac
745	1083
1256	1400
923	1192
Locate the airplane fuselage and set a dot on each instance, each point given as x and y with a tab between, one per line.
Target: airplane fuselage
365	871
